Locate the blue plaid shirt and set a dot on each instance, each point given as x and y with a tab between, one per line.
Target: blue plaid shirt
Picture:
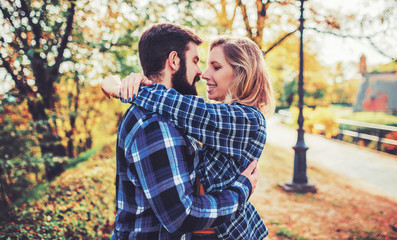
155	192
232	135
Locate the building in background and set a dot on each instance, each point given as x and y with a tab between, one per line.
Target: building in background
378	92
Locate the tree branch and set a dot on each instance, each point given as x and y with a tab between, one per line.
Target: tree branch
43	11
394	59
279	41
260	22
212	6
7	15
22	87
36	29
245	17
234	14
64	40
344	35
368	37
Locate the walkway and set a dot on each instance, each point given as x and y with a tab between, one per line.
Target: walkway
373	170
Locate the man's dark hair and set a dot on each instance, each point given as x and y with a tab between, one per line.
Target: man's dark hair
157	42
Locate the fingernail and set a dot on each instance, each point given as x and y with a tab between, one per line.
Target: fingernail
133	96
129	99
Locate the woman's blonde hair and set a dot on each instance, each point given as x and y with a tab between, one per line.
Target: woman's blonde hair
251	85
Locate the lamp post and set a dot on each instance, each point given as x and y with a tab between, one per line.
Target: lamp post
299	181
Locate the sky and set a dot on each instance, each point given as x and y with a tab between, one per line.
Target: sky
333	49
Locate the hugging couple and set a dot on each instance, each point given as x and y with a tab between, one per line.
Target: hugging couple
186	168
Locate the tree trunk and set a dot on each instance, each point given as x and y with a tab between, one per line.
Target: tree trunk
48	140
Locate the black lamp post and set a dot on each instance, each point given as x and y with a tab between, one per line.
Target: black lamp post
299	181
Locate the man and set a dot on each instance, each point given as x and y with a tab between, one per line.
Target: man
155	181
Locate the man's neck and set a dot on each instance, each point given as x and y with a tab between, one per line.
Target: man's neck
164	79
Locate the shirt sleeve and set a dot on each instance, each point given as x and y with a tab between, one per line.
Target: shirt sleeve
158	156
228	128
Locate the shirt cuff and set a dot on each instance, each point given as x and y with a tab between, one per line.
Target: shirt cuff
244	187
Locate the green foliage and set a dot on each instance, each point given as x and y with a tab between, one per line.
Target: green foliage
283	232
79	204
22	164
291	90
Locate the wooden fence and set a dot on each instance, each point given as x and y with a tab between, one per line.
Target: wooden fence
357	134
357	130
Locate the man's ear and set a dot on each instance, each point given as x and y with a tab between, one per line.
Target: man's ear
174	61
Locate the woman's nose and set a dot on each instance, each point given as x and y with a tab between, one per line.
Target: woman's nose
206	75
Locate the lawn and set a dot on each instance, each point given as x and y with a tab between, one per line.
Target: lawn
79	204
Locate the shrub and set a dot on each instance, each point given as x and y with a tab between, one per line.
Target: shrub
319	120
389	147
79	204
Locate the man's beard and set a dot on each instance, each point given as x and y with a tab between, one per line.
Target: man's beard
180	83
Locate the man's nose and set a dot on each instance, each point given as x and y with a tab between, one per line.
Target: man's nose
199	72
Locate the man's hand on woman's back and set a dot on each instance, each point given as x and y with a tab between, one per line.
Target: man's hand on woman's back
251	172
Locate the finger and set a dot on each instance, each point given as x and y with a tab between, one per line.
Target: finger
124	92
137	83
106	95
256	170
130	88
252	166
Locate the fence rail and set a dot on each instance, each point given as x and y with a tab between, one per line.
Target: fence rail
381	130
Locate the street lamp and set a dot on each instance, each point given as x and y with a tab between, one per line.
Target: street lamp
299	181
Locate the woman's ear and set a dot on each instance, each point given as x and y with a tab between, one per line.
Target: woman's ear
174	61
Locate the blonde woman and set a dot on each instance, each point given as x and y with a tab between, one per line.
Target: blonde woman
233	132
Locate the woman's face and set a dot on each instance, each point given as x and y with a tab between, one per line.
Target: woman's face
219	74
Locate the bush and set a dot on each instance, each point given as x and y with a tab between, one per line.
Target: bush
79	204
389	148
320	120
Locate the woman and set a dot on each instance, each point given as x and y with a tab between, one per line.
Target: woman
233	133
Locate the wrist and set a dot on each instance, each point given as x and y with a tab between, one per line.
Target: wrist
244	187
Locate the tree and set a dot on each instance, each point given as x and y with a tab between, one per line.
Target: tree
262	13
34	39
374	25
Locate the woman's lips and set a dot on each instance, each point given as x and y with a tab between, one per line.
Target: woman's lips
210	87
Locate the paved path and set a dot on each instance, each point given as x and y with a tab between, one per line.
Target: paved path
372	170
